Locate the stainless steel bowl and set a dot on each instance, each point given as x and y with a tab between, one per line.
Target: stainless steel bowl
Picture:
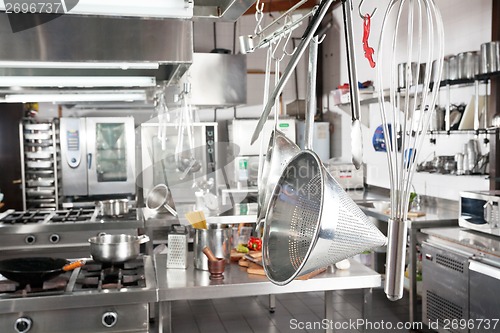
116	248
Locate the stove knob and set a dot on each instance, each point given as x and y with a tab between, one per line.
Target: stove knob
30	239
109	319
22	325
54	238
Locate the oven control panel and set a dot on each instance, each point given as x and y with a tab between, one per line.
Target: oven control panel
71	141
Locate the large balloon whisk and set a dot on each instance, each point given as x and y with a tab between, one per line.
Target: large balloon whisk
412	38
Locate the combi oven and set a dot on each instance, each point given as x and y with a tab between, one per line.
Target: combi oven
98	156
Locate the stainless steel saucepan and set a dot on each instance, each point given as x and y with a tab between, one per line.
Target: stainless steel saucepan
116	248
113	207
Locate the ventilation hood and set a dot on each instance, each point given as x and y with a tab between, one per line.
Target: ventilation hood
112	46
72	45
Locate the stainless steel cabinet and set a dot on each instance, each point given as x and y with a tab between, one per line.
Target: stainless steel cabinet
445	273
484	288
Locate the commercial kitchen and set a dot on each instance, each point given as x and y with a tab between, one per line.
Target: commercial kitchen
250	166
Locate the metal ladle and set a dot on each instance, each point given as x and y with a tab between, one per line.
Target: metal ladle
356	134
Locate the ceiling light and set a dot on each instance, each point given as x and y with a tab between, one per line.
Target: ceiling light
79	65
74	97
77	81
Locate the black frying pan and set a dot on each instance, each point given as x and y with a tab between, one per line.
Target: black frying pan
34	271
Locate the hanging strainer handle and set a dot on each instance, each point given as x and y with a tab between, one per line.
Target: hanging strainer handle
396	253
311	92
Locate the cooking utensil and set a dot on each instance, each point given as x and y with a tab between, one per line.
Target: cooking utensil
114	207
310	218
217	239
116	248
292	63
184	153
468	64
34	271
160	199
312	223
495	121
420	39
263	171
356	132
490	57
197	219
280	150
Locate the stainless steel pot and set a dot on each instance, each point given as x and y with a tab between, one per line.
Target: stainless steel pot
116	248
490	57
453	67
114	207
446	68
468	65
402	68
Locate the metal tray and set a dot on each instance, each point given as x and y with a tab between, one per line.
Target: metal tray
40	172
40	193
38	127
40	154
38	136
39	164
38	143
42	200
40	182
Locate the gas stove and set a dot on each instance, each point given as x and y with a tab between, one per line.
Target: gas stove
59	216
59	233
93	298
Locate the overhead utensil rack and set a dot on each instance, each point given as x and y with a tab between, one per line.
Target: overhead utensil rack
284	25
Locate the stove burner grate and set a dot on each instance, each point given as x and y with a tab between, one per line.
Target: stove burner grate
99	276
32	216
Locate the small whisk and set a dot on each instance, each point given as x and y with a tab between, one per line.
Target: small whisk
412	34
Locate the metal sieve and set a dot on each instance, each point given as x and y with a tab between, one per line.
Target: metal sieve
312	223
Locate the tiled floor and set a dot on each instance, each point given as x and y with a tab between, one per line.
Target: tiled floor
251	314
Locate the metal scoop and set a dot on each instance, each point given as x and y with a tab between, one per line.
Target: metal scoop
356	135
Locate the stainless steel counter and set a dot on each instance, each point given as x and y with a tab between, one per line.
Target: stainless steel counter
438	213
479	242
190	284
241	213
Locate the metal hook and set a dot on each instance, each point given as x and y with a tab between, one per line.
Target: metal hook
319	40
289	35
259	16
276	48
359	10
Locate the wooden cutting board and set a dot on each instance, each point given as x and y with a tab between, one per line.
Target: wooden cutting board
235	256
410	214
255	269
259	270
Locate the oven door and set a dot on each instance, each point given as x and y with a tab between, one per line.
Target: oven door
480	213
484	288
111	155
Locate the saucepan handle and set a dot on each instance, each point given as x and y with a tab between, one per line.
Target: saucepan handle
170	209
143	239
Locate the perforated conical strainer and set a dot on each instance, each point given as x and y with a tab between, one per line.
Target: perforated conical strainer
312	223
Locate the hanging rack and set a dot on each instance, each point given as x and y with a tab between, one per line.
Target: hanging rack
250	43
